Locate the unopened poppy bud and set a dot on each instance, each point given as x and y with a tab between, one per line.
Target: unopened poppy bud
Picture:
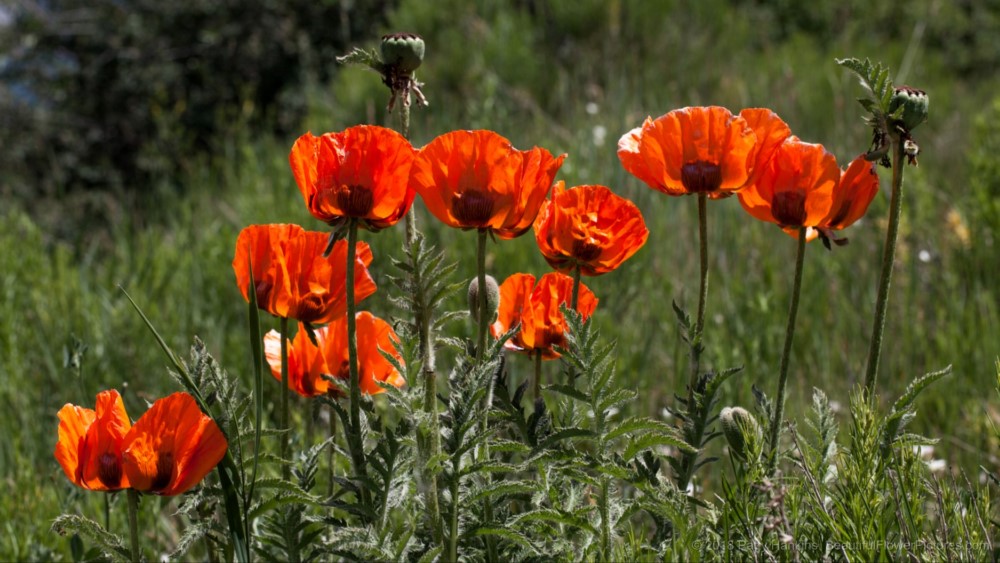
914	103
492	297
742	432
405	51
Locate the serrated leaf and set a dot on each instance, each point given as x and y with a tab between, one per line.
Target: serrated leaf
915	388
648	441
110	544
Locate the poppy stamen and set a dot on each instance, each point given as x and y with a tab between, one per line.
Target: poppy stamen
355	201
585	251
701	177
789	208
472	207
109	470
164	471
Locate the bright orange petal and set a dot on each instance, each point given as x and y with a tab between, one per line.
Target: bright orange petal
770	131
172	447
70	451
855	192
374	334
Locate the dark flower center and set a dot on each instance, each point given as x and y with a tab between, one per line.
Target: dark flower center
109	470
311	307
701	177
789	208
263	291
841	214
164	471
355	201
585	251
473	208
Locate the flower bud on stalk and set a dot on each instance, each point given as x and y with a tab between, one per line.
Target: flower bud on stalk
492	298
742	432
915	107
403	51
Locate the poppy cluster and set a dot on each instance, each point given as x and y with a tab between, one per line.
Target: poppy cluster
779	178
310	364
166	452
292	278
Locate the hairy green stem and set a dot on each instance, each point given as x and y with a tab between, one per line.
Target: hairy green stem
537	384
605	519
697	413
332	454
888	257
286	468
483	321
354	432
575	300
786	353
456	467
426	341
133	524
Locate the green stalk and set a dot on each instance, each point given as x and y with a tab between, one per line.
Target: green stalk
133	524
537	388
456	466
888	256
332	456
286	468
793	310
354	432
483	321
483	318
576	288
702	287
697	414
411	217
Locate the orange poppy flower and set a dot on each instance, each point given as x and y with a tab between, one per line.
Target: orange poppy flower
588	227
691	150
855	191
307	364
477	180
536	309
770	131
362	172
90	443
293	279
172	447
802	187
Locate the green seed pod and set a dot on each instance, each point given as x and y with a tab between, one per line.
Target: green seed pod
492	297
404	51
914	103
742	432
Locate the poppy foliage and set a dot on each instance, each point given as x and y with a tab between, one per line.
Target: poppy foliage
477	180
694	150
535	309
292	277
308	363
588	227
360	173
167	451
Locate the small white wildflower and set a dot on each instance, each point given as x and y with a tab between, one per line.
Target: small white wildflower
925	452
924	256
937	465
593	108
600	133
835	406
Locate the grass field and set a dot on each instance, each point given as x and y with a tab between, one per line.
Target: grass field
172	252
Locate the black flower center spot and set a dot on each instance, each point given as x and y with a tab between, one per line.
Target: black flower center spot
355	201
701	177
789	208
164	471
585	251
473	208
109	470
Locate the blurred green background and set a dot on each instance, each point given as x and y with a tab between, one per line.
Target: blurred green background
137	138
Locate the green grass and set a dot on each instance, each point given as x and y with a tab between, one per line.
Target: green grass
176	262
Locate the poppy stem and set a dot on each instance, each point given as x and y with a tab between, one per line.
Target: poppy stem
483	316
702	288
133	524
354	432
286	469
793	310
888	256
576	288
537	389
332	455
